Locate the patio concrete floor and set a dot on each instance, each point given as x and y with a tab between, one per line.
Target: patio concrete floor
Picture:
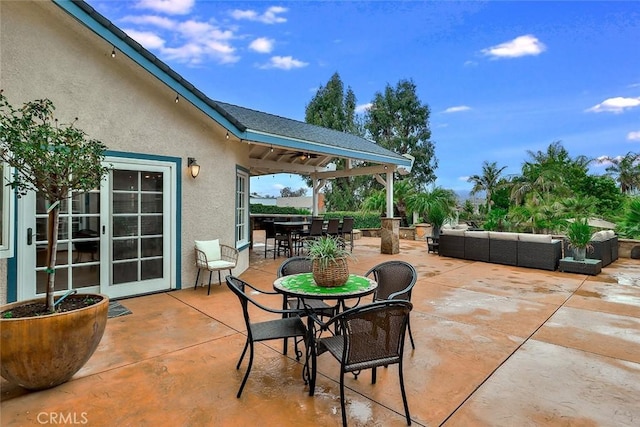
495	346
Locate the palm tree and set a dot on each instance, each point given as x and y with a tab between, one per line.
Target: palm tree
626	169
435	205
488	181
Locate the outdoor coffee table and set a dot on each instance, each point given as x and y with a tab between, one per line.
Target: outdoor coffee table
586	266
303	286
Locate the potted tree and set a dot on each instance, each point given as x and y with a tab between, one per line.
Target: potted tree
579	237
329	261
45	342
435	205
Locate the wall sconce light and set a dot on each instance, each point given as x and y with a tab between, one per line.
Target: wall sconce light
194	167
177	98
227	135
113	52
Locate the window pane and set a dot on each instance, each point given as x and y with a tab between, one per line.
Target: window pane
125	180
125	203
125	272
151	181
151	269
151	247
125	226
86	276
151	225
151	203
125	249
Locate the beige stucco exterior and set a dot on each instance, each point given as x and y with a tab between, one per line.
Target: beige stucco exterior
46	53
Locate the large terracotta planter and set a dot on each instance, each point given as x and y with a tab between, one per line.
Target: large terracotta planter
45	351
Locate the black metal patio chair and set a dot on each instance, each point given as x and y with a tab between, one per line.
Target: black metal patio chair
396	280
289	326
372	335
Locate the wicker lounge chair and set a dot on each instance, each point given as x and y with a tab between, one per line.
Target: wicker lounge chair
212	256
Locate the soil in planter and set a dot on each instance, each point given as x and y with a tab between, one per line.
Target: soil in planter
39	309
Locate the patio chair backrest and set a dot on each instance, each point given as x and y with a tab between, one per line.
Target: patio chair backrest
295	265
395	279
316	227
374	334
347	225
333	227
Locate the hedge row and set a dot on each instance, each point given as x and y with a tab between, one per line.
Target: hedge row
267	209
361	219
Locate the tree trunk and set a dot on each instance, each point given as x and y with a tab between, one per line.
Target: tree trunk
52	250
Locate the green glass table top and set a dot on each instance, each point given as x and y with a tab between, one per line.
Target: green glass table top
303	284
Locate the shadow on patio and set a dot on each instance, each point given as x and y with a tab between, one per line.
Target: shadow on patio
495	345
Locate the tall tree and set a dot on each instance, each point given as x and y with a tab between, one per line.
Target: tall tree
398	121
333	108
488	181
548	172
626	170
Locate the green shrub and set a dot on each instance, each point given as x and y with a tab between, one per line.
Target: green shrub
267	209
361	219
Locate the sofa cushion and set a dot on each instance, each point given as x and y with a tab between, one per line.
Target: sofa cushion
610	234
477	234
453	232
535	238
499	235
599	236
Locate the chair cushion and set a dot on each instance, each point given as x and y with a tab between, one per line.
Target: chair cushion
599	236
220	265
452	232
211	249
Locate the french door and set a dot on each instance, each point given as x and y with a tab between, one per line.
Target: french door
118	239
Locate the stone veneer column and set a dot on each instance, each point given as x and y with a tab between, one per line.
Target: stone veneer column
390	236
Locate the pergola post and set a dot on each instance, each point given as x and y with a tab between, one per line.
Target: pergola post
389	226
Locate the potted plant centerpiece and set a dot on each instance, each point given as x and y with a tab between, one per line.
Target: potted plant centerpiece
329	261
579	237
44	342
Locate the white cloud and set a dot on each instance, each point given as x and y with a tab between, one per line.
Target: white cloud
457	109
270	16
262	45
615	105
520	46
170	7
364	107
284	63
463	178
470	63
156	21
634	136
147	39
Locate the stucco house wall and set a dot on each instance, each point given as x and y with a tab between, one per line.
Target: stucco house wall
45	53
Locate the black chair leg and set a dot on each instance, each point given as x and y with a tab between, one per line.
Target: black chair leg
410	335
246	375
404	395
197	278
209	291
342	404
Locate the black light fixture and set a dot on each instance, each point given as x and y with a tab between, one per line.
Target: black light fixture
113	52
177	98
227	135
194	167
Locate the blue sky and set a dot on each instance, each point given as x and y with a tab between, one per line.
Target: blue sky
499	77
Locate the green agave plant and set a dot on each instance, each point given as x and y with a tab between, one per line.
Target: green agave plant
327	250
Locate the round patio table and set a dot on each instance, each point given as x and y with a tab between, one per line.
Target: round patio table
303	286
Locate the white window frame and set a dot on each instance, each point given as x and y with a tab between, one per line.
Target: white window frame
8	219
241	209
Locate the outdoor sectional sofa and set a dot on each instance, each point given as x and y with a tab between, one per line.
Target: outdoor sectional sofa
520	249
